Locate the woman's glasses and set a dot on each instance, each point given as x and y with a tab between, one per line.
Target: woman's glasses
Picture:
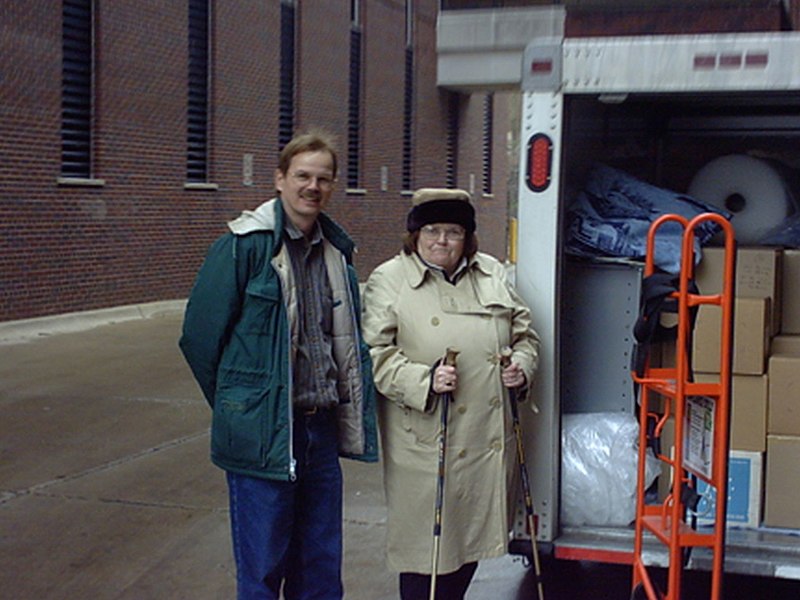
451	234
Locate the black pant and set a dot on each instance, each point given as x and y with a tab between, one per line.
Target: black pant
451	586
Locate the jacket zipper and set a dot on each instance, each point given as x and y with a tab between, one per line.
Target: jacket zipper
290	410
290	395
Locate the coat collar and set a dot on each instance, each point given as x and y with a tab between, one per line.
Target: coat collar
416	270
270	216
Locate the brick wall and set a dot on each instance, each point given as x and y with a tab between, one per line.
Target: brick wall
141	236
381	210
607	19
794	14
29	143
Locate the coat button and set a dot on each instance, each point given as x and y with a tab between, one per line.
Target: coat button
496	446
495	402
435	321
462	454
462	409
406	421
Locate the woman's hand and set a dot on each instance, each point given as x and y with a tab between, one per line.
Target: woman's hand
513	376
445	379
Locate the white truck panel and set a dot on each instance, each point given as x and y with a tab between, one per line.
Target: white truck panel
537	282
666	64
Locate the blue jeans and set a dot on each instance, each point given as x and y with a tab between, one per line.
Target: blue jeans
612	215
290	533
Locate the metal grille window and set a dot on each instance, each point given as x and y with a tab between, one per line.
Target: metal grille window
408	102
287	66
452	140
488	134
354	103
77	89
197	115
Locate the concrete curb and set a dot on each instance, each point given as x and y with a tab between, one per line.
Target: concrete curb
14	332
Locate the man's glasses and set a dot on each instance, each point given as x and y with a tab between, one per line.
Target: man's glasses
451	234
303	178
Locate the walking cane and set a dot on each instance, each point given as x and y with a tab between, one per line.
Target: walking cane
444	399
505	360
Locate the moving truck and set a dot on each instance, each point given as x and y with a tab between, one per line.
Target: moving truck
658	108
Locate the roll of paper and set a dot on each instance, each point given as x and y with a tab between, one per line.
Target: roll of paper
750	188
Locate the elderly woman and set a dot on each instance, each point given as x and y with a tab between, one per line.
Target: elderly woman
440	292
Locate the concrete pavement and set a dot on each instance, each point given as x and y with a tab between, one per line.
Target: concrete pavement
107	492
106	489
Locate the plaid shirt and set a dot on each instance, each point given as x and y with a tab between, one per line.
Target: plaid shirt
314	376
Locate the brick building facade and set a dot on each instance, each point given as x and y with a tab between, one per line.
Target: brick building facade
134	231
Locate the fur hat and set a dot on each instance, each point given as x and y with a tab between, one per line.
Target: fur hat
440	205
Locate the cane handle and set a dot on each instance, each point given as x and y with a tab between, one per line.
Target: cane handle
450	357
505	356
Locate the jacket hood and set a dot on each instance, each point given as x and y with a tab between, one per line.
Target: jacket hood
270	215
262	218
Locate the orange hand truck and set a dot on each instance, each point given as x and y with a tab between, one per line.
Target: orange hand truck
700	414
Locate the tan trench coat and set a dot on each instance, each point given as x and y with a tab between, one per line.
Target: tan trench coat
411	316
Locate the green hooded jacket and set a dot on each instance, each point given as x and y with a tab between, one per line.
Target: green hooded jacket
238	333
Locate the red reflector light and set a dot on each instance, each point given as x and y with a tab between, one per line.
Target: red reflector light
540	161
756	60
540	67
705	61
730	61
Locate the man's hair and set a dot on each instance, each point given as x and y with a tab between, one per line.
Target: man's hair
312	141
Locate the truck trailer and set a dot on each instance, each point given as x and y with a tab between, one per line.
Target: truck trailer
658	108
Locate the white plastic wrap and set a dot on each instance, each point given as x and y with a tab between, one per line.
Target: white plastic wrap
599	461
751	188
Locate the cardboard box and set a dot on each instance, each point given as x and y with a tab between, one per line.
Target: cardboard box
745	486
790	296
785	344
745	469
782	484
759	274
748	410
751	337
784	395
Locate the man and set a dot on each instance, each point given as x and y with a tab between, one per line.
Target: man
272	335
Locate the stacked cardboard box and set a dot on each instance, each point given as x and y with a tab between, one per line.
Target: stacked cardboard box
765	392
758	275
790	317
783	435
783	475
782	484
757	317
751	337
748	410
745	485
